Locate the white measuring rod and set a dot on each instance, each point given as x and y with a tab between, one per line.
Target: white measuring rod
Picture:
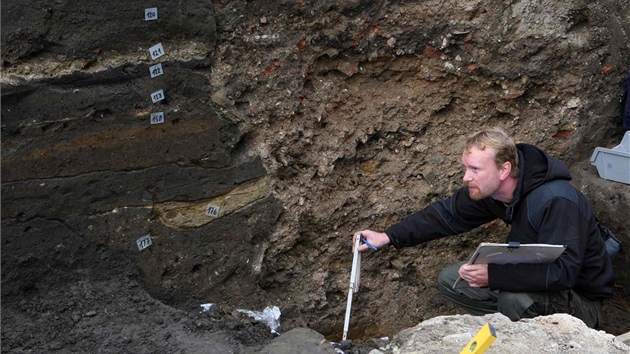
355	280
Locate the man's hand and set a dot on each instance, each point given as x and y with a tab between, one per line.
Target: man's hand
475	274
377	239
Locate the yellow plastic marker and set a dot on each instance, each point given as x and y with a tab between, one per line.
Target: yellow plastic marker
480	342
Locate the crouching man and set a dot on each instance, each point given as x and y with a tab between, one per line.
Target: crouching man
529	190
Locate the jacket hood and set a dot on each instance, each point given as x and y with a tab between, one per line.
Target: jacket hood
537	167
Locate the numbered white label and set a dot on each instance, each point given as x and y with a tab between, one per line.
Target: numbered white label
144	242
212	210
156	70
150	14
156	51
157	118
157	96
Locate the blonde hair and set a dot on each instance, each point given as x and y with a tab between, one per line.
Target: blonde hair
500	142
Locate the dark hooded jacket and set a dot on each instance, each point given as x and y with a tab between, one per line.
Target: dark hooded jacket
545	209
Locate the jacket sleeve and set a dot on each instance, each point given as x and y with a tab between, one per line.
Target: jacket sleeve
454	215
561	224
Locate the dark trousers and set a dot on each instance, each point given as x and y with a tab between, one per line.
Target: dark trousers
481	301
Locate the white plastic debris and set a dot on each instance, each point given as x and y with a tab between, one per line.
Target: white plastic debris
206	307
270	316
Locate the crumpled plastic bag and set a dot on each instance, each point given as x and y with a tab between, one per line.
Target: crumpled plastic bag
206	307
270	316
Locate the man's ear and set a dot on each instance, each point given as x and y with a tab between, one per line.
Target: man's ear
506	170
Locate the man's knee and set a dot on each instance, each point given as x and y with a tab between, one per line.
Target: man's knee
478	301
448	276
516	305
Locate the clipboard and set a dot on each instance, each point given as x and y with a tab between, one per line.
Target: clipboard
512	253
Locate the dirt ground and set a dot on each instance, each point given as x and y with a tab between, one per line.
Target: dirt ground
71	296
311	120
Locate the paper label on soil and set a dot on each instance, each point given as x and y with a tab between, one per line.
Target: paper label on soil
212	210
157	96
156	51
156	70
144	242
150	14
157	118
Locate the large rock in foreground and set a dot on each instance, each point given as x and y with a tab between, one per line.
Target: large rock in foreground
557	333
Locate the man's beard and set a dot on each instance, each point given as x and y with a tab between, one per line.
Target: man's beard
475	193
